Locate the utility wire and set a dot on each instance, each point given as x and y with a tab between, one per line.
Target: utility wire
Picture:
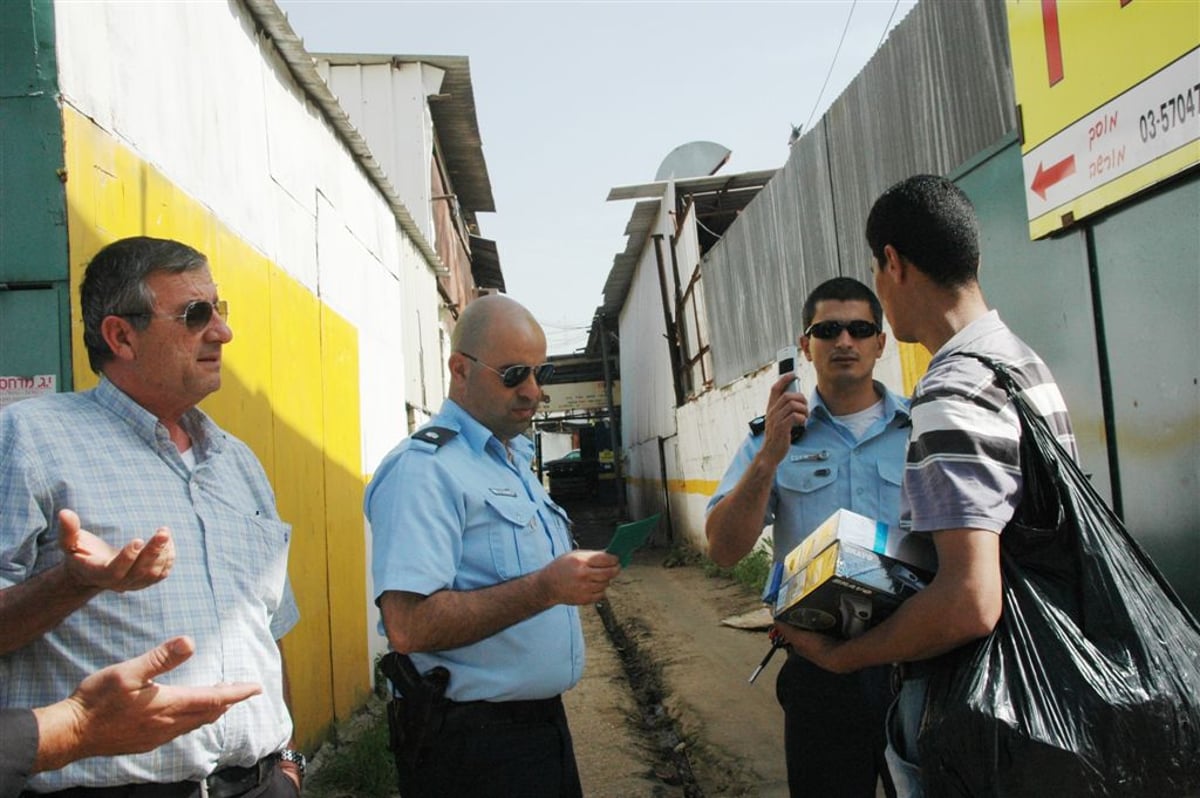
833	63
888	26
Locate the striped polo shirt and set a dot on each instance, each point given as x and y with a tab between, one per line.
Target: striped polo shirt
963	466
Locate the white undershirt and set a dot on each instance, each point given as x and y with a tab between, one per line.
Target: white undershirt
861	421
189	458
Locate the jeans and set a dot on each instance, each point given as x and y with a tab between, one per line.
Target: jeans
903	727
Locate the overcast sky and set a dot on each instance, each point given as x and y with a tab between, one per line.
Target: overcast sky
575	98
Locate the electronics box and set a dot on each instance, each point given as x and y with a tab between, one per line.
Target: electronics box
850	574
844	525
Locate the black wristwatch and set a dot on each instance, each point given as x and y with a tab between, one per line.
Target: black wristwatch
295	757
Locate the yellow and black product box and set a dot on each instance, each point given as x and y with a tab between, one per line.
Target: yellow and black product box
877	536
850	573
846	589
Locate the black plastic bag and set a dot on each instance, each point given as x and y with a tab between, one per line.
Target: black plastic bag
1090	683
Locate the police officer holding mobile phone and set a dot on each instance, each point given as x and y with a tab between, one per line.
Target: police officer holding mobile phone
851	456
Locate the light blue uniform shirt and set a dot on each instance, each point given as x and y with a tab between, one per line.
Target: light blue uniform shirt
461	516
828	470
104	456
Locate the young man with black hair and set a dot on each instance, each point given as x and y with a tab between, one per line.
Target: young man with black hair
962	479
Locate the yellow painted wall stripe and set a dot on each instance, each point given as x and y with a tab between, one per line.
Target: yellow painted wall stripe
703	487
914	360
289	390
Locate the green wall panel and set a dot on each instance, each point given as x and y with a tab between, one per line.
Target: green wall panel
32	207
31	333
1148	269
33	227
34	276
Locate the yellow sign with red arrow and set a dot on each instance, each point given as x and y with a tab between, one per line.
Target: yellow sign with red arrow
1108	95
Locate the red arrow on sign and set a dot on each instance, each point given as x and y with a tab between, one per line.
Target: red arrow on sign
1054	59
1045	178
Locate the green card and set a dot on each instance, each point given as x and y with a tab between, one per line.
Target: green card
630	537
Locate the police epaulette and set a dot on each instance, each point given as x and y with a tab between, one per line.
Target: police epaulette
757	425
438	436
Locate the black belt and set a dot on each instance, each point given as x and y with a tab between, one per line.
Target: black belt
474	715
907	671
224	783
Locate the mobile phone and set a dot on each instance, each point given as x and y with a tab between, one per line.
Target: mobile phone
788	359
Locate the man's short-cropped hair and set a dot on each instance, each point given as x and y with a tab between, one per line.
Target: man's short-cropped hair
841	289
114	284
931	223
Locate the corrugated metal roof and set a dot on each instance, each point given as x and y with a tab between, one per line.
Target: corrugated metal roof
454	122
300	64
616	287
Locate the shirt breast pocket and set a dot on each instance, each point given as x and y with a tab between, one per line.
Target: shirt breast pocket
807	496
261	557
509	530
806	478
563	533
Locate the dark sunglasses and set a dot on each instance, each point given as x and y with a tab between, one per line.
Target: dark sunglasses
196	315
828	330
512	376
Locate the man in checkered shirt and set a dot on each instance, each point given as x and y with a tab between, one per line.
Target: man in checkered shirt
132	456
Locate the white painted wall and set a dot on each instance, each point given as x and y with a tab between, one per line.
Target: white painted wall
388	106
647	390
556	445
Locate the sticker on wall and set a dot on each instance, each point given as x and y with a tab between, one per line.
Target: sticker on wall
14	389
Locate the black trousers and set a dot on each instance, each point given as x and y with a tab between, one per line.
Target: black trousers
833	730
499	750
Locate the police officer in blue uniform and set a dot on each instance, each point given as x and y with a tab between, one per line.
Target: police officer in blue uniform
850	455
475	573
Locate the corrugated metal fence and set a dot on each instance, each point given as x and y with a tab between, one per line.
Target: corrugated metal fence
930	99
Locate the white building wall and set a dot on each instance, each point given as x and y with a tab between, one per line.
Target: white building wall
647	391
388	106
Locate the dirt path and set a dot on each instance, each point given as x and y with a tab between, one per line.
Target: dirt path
700	729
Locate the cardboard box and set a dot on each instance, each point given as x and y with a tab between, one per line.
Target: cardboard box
844	525
848	575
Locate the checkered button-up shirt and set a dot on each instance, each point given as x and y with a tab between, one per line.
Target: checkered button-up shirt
102	455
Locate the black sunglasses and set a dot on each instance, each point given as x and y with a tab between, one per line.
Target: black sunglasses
196	315
828	330
512	376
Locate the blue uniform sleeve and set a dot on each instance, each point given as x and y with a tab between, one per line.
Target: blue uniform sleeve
417	514
741	462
